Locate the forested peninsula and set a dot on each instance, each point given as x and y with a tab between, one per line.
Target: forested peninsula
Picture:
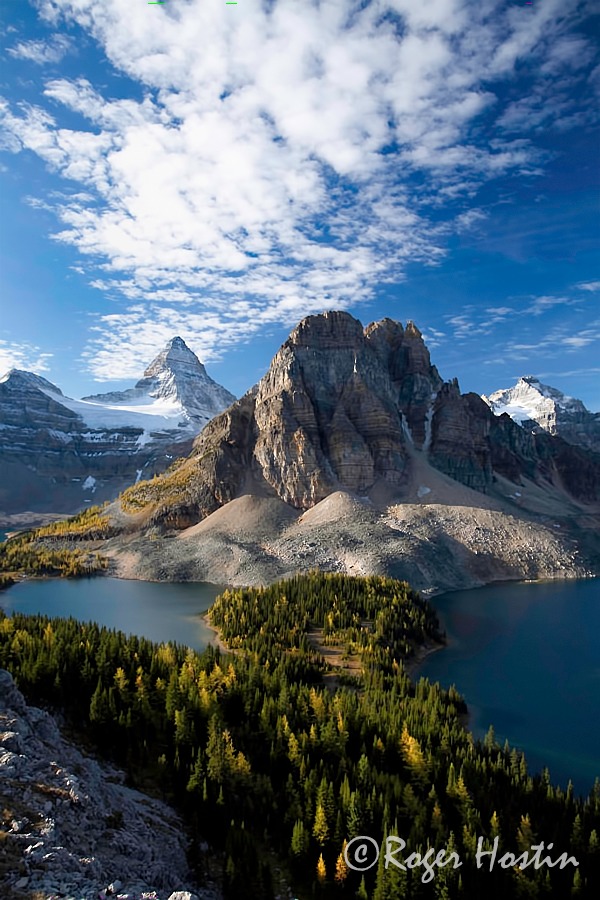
51	550
310	734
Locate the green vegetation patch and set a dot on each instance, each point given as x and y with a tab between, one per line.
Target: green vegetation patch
91	524
47	550
261	757
173	485
380	620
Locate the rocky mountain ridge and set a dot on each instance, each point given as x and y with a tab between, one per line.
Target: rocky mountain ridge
343	408
59	454
540	408
361	414
72	828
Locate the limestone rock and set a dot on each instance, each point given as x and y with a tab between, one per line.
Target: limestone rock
61	835
335	411
346	408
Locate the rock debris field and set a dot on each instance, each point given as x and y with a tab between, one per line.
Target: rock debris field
72	829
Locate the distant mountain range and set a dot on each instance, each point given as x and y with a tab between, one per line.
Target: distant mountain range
538	407
352	454
58	453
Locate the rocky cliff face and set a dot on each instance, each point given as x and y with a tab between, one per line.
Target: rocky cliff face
59	454
71	828
347	408
337	405
539	408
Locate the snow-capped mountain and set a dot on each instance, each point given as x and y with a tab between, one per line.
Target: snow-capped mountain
59	453
539	407
352	454
175	387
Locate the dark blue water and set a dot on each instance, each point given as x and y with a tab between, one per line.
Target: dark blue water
160	612
526	657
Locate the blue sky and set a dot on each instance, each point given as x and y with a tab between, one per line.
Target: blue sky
221	171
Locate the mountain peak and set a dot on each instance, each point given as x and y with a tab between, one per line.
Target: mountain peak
527	392
21	377
539	407
347	410
333	329
175	377
411	330
175	356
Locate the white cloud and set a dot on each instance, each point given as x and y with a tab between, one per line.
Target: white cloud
591	286
42	52
137	333
500	311
286	156
472	322
469	219
576	342
542	304
22	356
558	340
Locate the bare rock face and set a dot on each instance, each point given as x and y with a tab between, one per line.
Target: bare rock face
346	408
72	829
460	444
327	413
340	408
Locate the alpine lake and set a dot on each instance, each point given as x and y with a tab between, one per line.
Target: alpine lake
526	657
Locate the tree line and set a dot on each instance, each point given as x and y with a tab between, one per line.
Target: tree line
47	551
261	756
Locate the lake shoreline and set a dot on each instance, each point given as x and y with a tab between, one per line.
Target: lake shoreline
412	665
506	645
217	639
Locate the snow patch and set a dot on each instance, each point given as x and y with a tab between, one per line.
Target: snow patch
89	484
61	436
428	421
406	429
143	439
423	491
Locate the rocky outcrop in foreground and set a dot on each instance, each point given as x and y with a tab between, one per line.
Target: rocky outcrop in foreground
71	828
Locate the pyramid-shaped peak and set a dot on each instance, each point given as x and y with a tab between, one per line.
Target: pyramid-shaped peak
177	343
175	376
175	356
177	347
